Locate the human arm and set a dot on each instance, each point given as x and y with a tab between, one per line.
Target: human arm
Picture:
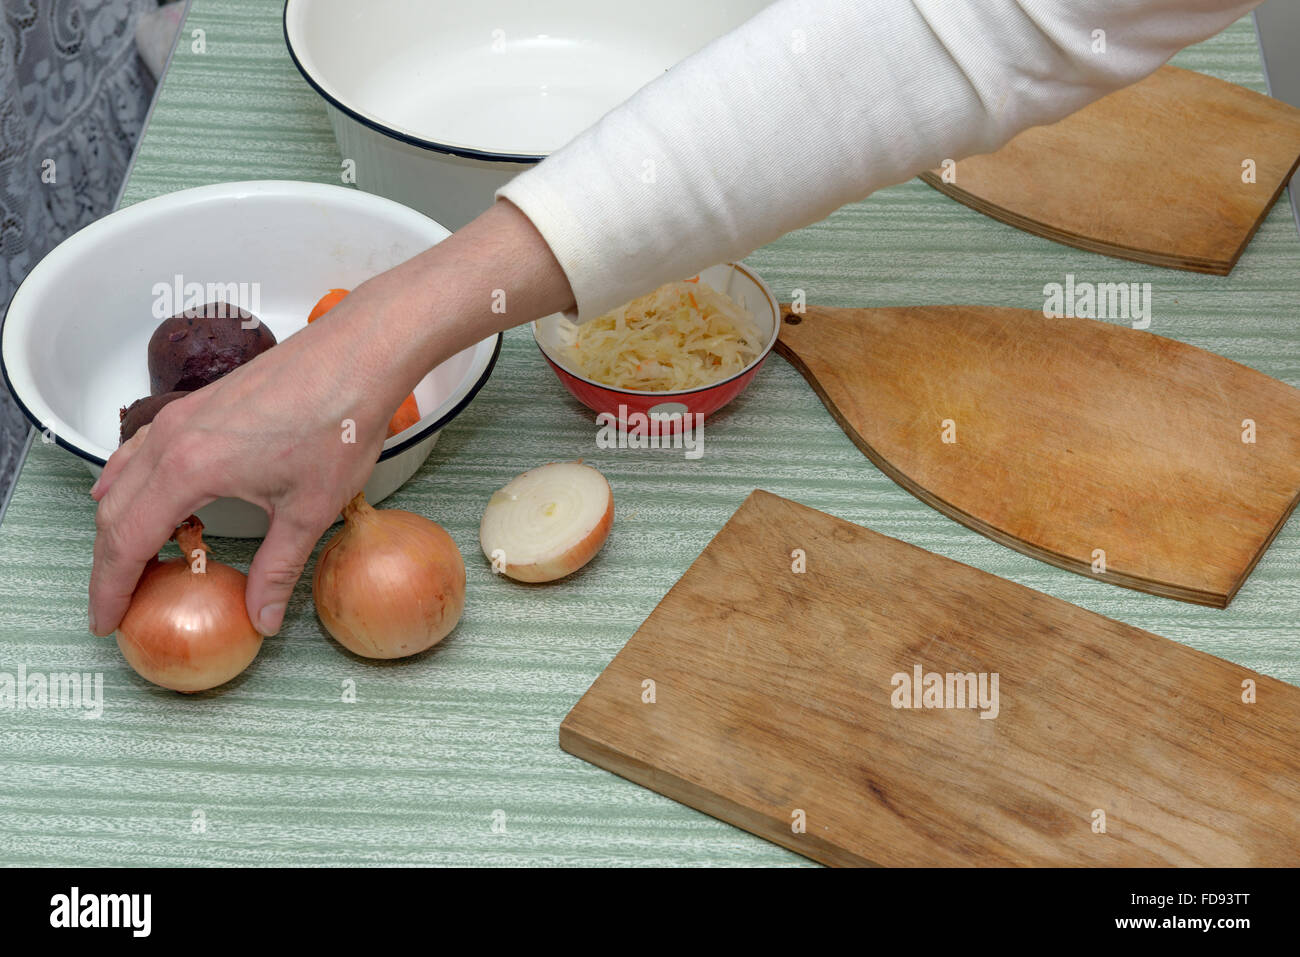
270	432
812	104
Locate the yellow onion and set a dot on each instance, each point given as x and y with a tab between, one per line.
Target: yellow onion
187	628
390	583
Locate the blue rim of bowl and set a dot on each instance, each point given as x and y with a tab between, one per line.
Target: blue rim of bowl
752	367
464	152
451	413
388	453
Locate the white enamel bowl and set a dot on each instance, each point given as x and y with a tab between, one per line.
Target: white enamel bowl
438	103
73	344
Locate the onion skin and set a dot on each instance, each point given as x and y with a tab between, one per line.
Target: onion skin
188	631
390	584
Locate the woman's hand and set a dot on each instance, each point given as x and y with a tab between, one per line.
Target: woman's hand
298	429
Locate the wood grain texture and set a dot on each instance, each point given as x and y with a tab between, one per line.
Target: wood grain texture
772	695
1152	172
288	774
1059	437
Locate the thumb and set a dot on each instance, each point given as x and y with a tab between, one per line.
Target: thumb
276	568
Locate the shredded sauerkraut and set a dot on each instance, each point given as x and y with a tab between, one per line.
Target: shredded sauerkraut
681	336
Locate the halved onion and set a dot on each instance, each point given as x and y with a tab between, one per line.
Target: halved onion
548	522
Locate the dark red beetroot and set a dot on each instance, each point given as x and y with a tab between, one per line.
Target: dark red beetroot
142	411
186	352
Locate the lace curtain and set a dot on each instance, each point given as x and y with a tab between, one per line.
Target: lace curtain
75	95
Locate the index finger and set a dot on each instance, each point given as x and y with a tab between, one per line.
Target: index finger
136	517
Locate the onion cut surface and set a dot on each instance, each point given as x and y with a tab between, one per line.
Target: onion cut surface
548	522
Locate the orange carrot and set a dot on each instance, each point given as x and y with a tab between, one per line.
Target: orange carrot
408	413
326	303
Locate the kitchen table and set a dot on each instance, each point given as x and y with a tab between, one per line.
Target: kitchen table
452	758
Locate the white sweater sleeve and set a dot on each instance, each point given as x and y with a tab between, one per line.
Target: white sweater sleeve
815	103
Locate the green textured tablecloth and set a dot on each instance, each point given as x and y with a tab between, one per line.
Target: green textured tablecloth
277	768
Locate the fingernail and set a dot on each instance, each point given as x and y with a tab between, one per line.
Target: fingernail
91	622
269	619
95	488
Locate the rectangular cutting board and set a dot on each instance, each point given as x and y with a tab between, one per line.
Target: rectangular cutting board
763	696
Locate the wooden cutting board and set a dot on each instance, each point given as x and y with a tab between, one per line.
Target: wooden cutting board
1152	172
763	696
1098	448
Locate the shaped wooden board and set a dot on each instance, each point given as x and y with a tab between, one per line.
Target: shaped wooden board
1152	172
772	707
1108	451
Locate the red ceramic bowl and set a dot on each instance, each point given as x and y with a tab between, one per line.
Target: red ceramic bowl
736	281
